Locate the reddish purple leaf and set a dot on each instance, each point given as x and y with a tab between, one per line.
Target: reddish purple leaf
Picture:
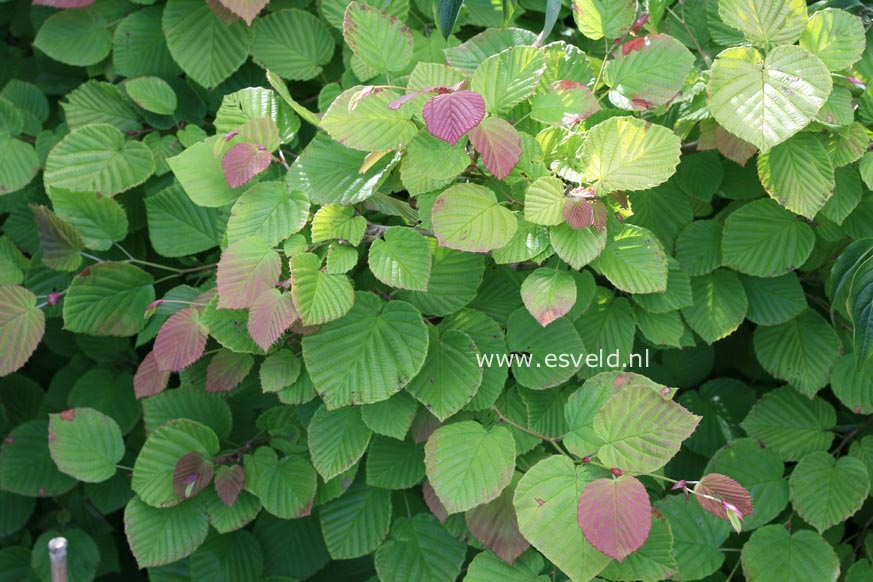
450	116
59	242
403	100
245	9
601	212
615	515
271	314
578	213
496	526
247	268
63	3
499	144
229	481
181	340
226	370
149	379
243	162
728	491
433	502
191	475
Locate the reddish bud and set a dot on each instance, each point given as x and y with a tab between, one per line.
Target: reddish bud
683	485
641	22
586	459
616	472
230	135
151	308
53	298
856	82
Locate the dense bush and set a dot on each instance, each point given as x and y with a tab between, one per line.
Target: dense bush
254	255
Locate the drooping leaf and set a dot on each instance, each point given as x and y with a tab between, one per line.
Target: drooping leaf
268	210
22	325
798	174
180	341
451	115
243	162
633	261
337	440
719	305
319	297
496	526
356	524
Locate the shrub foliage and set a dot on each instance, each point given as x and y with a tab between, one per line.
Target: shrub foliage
254	252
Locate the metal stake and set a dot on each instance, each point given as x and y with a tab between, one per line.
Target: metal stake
57	548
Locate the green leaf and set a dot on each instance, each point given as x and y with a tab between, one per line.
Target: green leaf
97	158
356	524
330	173
609	325
633	260
641	430
509	77
743	75
402	259
26	466
468	465
248	108
337	440
764	240
199	172
648	72
383	345
852	386
625	153
544	201
334	222
139	48
394	464
99	102
85	444
178	226
419	548
451	374
577	247
826	491
454	279
227	519
207	49
100	220
163	536
834	36
59	242
486	567
697	535
773	300
467	217
19	163
392	417
773	553
565	103
108	299
286	487
765	22
361	119
292	43
190	403
446	15
152	94
791	424
380	40
801	351
604	18
525	335
798	174
75	37
22	325
653	562
548	294
546	501
156	462
229	557
318	296
720	305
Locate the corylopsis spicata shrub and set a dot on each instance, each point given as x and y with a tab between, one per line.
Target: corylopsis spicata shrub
256	256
